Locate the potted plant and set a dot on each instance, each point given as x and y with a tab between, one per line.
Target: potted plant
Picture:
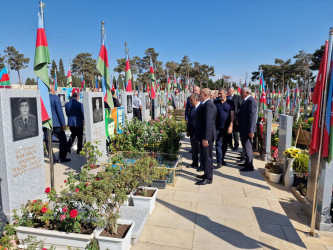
92	153
116	233
145	172
62	221
291	153
301	168
161	175
268	166
275	174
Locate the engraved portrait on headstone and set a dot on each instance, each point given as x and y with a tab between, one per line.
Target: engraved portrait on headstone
24	118
97	109
147	102
129	104
62	99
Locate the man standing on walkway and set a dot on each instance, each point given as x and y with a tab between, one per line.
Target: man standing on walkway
246	119
59	125
205	132
236	99
224	125
196	89
190	131
74	112
137	106
175	100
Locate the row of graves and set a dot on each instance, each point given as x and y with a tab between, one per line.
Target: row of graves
284	141
22	166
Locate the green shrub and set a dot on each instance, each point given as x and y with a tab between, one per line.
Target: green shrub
301	163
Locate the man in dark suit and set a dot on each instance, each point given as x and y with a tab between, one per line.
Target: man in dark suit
190	131
59	125
196	89
205	132
246	119
115	100
236	99
74	112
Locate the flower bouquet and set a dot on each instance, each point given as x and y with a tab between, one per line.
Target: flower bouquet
292	152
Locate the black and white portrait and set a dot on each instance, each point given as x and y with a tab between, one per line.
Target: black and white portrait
97	109
129	104
24	117
62	99
147	102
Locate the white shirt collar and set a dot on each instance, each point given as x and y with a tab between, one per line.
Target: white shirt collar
247	97
197	105
205	101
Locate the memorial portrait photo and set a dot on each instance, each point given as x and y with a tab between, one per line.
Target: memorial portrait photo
147	102
62	99
97	109
24	117
129	104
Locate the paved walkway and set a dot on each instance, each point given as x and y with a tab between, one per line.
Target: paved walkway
238	210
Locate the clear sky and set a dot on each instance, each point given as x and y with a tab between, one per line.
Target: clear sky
234	36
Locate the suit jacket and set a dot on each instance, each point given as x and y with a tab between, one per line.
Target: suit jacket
192	120
236	99
187	109
205	122
247	116
58	118
74	112
116	102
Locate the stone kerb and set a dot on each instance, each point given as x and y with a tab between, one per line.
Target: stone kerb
22	170
93	105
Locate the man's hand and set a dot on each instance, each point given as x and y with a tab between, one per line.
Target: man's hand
205	143
229	130
187	133
251	135
63	127
237	123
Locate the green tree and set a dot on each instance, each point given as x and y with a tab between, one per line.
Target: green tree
30	81
201	73
316	58
120	69
16	60
120	81
2	62
302	66
54	69
84	65
61	74
158	70
185	67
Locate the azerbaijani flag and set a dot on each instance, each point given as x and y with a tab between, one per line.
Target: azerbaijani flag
4	77
152	79
83	85
128	74
262	90
55	81
69	83
168	82
42	58
103	68
96	83
287	96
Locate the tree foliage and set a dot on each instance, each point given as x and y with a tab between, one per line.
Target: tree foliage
61	74
54	69
2	62
84	65
16	60
30	81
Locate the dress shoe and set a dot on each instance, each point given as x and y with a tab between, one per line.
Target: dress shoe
200	176
64	160
241	163
224	163
199	169
219	165
246	169
204	182
235	148
190	151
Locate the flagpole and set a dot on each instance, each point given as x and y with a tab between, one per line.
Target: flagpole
322	122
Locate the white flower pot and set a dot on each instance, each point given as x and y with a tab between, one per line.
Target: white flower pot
116	243
289	175
146	202
267	172
275	178
60	240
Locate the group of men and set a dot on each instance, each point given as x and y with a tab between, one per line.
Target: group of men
75	115
220	120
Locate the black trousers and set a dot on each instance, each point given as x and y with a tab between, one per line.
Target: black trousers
235	136
76	132
247	145
137	114
195	150
206	159
222	141
60	134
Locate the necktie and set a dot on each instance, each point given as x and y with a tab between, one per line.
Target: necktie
243	101
25	123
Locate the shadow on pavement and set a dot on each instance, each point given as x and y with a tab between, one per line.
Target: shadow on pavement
227	234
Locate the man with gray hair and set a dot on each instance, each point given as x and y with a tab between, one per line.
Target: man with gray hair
246	119
190	131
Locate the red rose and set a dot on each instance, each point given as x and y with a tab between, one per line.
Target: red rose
43	210
47	190
65	181
65	209
97	179
44	248
87	184
77	190
34	201
73	213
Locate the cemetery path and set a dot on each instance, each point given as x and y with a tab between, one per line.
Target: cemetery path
238	210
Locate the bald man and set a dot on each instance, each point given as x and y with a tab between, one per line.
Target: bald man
205	132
